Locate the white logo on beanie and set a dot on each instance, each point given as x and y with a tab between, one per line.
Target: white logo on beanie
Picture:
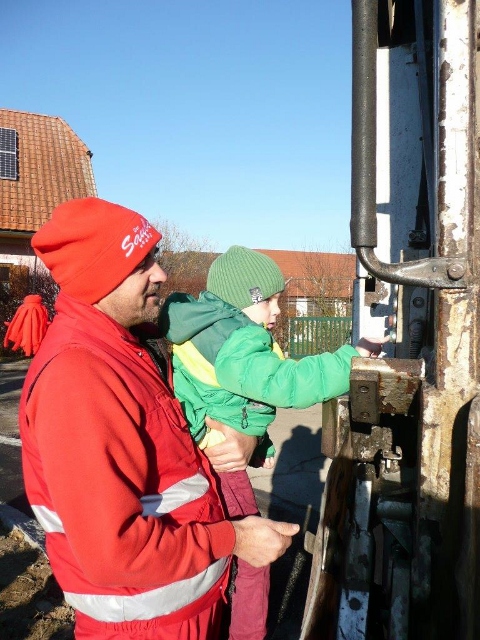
142	234
256	295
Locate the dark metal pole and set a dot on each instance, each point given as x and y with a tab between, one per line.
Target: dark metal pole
363	225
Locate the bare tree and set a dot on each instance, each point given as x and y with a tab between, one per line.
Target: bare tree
326	283
282	328
186	260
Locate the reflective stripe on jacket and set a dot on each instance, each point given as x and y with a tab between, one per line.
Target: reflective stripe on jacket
157	602
149	604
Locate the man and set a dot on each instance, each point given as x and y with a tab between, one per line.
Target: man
136	535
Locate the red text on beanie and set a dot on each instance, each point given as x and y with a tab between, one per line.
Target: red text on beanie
90	246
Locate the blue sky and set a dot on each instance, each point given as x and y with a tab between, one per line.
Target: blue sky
228	118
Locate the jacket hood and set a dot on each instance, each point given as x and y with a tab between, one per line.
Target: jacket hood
183	316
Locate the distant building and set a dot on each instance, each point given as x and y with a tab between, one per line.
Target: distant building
317	284
42	163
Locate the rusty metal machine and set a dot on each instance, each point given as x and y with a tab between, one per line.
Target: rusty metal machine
396	554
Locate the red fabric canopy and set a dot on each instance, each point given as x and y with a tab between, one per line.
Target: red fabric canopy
28	326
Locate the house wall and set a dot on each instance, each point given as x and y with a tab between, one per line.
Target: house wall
17	252
301	305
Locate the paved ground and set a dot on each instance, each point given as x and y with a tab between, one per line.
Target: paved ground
297	480
12	374
291	491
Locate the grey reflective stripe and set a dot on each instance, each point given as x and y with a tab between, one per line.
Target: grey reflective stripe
150	604
175	496
48	519
156	505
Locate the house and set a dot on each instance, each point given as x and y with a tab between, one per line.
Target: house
317	284
42	163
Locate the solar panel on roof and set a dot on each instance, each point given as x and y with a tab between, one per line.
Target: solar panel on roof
8	139
8	153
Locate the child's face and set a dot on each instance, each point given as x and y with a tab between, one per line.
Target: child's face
265	312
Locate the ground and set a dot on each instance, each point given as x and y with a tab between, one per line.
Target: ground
31	603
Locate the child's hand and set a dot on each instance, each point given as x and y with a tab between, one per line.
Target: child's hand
268	463
371	347
264	463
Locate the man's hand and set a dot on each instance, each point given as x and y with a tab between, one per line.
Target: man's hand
260	541
232	455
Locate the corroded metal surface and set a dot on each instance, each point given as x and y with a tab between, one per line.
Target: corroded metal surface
323	591
443	402
355	595
335	425
468	574
383	386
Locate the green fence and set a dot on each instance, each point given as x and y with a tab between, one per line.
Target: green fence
308	336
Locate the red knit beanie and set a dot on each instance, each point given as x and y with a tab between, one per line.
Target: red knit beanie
90	246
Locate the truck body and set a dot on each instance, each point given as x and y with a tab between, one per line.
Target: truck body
396	554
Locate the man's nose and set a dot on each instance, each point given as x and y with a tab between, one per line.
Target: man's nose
157	274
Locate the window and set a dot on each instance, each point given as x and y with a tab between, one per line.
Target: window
4	278
8	154
4	273
14	279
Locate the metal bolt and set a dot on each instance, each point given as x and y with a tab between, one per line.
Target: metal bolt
456	271
363	389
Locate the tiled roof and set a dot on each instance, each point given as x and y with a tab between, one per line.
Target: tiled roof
54	165
308	272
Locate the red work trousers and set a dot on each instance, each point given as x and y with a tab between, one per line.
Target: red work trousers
252	585
204	626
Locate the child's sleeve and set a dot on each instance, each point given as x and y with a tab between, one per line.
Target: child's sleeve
248	367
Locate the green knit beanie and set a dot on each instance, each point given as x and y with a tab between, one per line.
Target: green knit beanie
243	277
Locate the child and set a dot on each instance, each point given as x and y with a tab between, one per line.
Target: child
228	367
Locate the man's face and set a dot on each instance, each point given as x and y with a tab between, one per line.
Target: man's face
136	300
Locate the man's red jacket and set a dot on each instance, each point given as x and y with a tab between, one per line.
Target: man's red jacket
135	528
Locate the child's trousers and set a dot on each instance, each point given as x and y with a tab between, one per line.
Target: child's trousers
252	585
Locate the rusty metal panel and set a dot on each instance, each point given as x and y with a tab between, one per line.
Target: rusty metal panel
323	589
335	425
383	386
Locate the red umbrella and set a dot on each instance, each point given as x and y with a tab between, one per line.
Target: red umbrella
28	326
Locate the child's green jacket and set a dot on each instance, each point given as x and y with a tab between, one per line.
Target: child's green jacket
229	368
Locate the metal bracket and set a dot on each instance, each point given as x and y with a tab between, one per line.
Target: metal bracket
433	273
